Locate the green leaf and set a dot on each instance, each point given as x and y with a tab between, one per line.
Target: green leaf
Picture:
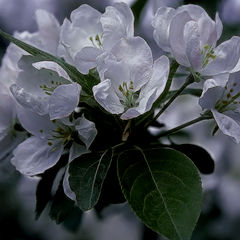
87	175
163	188
61	206
201	158
86	81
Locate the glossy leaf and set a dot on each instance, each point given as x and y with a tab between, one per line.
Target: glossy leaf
163	188
201	158
87	175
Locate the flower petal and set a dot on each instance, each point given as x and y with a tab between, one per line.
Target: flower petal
86	130
85	59
176	37
211	94
227	57
192	45
34	156
161	24
35	124
64	100
227	125
105	95
136	53
152	90
66	186
117	22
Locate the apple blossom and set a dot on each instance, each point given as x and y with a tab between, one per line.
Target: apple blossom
90	33
45	91
223	102
44	149
190	35
130	81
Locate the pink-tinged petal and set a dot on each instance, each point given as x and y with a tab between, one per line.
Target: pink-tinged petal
176	37
227	57
34	156
105	95
64	100
86	130
85	59
161	24
227	125
117	22
211	94
192	45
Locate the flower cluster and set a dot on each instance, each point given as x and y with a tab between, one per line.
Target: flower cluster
90	85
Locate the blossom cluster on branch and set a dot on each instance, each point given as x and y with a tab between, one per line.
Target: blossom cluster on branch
80	97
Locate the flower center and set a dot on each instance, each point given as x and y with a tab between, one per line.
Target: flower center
49	89
208	55
128	96
96	41
230	99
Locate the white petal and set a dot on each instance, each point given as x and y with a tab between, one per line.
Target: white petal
210	95
35	124
86	130
49	30
85	59
161	24
136	53
105	95
85	24
227	57
34	156
193	10
152	90
52	66
192	45
177	39
117	22
227	125
66	186
207	30
219	26
76	151
35	103
64	100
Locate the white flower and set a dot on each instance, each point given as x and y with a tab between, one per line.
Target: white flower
224	103
90	33
43	150
130	82
45	91
190	35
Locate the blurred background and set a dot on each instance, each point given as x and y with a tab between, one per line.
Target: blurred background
220	218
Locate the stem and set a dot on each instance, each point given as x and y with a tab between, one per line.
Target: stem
189	80
173	130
